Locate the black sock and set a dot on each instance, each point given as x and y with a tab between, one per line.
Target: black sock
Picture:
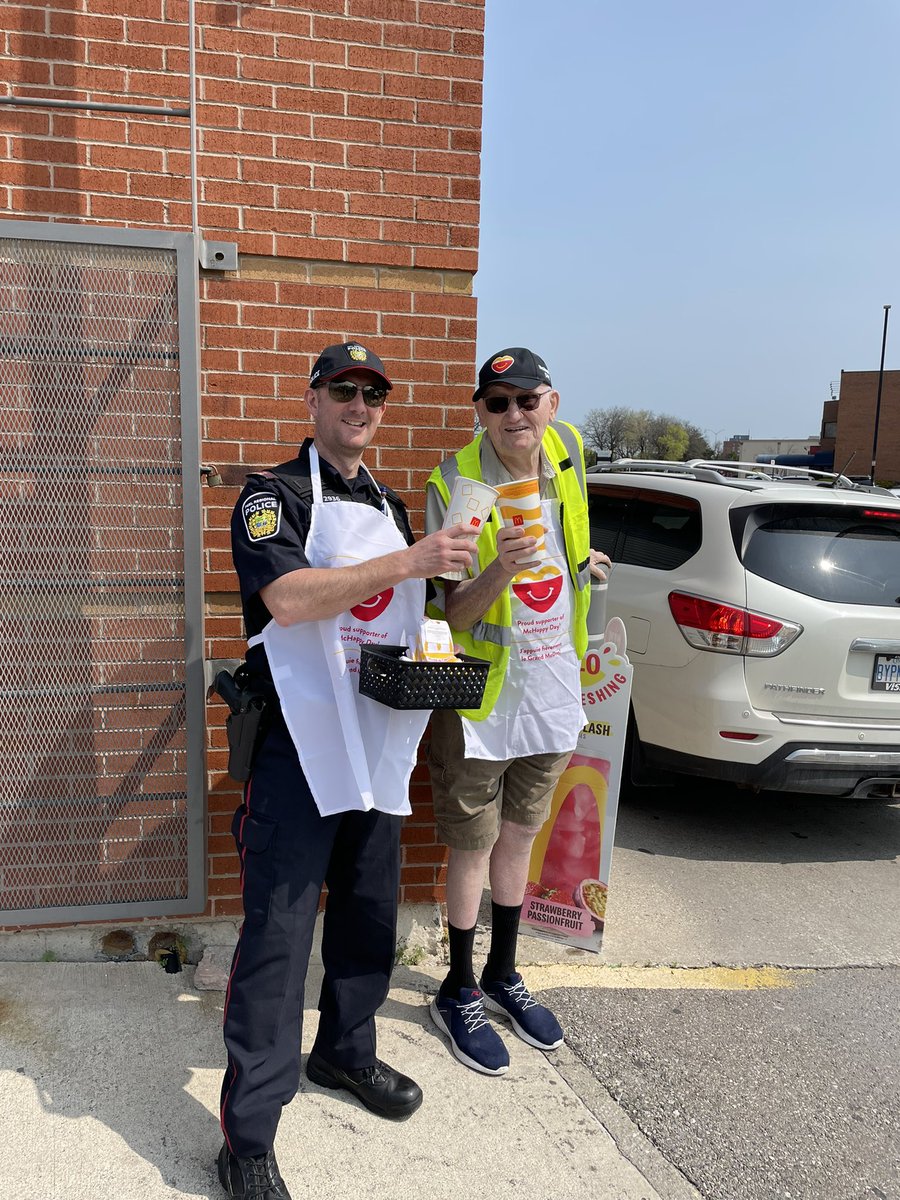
501	960
461	974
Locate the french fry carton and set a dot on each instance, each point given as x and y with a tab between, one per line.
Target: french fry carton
434	642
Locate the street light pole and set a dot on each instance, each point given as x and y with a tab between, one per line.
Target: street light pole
887	309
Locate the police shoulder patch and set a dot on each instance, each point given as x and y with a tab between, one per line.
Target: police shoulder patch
262	516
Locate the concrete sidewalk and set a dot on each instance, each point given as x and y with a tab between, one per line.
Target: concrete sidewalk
109	1086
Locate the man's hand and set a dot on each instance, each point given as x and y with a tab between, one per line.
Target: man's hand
513	545
445	550
599	560
468	601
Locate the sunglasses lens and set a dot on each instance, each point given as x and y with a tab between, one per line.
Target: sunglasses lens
499	404
342	392
373	396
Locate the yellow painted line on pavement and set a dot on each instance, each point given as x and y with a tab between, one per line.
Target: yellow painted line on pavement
722	979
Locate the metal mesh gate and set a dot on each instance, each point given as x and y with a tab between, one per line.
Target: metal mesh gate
100	784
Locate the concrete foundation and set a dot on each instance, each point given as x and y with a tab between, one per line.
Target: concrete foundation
208	943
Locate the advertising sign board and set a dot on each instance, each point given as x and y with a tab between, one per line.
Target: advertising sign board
565	899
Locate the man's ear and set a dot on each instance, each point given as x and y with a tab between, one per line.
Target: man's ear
312	402
554	404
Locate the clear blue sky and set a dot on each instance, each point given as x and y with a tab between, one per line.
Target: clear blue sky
693	207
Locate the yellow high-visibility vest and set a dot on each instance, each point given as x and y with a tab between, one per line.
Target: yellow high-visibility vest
490	637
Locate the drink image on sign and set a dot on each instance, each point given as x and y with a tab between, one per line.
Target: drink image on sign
886	673
519	503
470	504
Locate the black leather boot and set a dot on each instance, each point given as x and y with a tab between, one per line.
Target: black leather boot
251	1178
380	1088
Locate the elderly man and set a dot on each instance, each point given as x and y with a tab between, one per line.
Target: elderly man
326	560
494	769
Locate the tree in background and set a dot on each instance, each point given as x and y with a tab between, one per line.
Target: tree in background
698	445
605	429
673	442
639	433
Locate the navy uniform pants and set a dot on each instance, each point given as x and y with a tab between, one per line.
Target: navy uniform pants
287	850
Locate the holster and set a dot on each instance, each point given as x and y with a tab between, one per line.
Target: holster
247	722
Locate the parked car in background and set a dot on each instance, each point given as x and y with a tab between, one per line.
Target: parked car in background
763	620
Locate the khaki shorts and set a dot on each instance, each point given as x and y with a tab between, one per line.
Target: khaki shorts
472	794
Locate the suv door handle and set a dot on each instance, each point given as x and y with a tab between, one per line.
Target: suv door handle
875	645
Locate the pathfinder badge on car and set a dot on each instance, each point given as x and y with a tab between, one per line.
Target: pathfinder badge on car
796	688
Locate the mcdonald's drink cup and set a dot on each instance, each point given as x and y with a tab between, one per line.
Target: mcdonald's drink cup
470	504
519	503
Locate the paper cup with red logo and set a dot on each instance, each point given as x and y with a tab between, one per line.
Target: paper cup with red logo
470	505
519	504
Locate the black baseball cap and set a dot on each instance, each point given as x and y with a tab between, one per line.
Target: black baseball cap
516	365
346	356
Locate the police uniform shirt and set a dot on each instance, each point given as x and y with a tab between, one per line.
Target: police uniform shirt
271	521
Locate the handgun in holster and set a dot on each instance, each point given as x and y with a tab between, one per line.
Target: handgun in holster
246	723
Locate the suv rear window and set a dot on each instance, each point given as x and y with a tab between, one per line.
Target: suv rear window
846	555
644	528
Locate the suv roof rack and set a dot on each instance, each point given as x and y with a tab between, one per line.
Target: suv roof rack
721	471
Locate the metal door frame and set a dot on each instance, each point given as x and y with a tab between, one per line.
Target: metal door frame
188	297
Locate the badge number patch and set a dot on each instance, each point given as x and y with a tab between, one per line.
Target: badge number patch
262	516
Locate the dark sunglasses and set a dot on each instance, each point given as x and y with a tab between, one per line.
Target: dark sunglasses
344	391
526	403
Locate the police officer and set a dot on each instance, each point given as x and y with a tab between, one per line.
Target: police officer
326	561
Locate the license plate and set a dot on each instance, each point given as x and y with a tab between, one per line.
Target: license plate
886	673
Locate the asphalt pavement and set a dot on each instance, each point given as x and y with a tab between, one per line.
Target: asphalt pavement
783	1084
704	875
784	1091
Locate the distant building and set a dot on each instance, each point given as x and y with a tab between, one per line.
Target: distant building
848	425
746	449
829	426
851	422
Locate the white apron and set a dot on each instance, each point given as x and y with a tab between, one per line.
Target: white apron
355	752
539	708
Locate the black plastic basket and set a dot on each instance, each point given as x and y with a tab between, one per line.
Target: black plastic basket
384	677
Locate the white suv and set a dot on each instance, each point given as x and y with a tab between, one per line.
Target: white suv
763	618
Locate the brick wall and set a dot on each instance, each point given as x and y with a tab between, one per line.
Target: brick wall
829	425
338	146
856	425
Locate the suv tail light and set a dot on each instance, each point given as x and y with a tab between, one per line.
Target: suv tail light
708	625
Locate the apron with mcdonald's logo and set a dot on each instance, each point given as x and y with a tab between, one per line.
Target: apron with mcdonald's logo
539	708
356	753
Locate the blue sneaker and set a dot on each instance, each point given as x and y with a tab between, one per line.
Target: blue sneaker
472	1039
533	1023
